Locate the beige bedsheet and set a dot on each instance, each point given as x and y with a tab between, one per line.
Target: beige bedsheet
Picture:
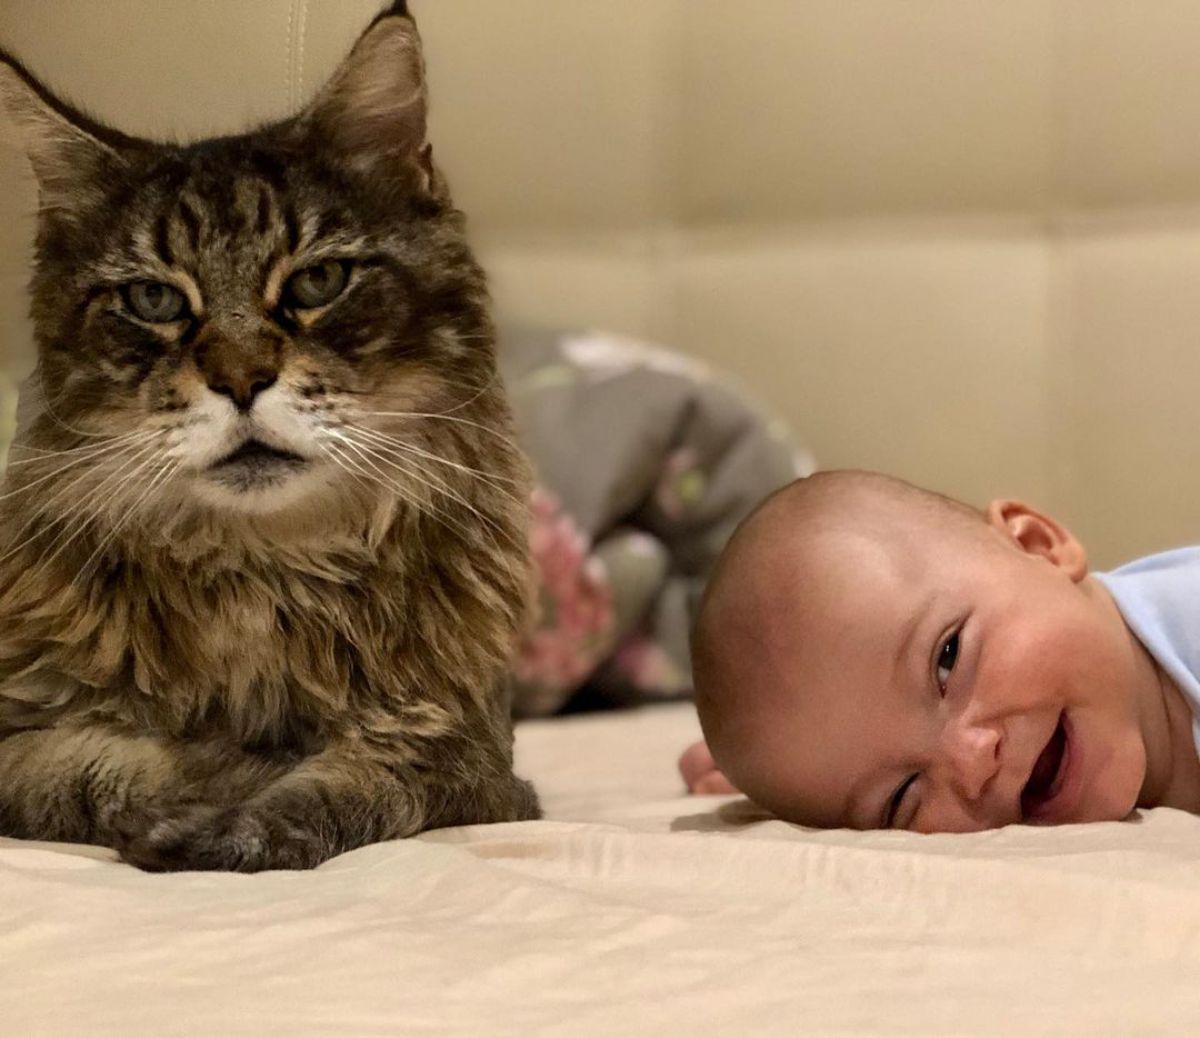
632	910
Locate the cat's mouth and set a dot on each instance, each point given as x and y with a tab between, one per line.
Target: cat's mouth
253	461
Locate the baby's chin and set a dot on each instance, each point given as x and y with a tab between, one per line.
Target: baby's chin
1112	806
1117	783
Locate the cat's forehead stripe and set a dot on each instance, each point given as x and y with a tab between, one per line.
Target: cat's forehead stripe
194	225
292	223
250	207
191	222
263	222
162	239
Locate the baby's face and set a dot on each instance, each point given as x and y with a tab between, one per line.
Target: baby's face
950	683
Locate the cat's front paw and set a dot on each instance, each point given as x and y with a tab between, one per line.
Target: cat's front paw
203	837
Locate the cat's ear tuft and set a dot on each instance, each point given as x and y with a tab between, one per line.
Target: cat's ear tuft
398	9
62	146
373	109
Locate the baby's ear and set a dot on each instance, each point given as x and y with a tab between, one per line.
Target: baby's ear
1037	534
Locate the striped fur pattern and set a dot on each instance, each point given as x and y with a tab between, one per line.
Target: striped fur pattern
263	534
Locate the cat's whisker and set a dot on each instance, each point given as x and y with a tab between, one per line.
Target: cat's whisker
48	453
133	434
167	469
366	478
429	508
479	390
68	518
386	453
489	478
88	452
58	421
335	456
74	450
432	481
349	465
472	385
116	450
368	458
395	450
82	514
506	440
475	396
51	522
65	466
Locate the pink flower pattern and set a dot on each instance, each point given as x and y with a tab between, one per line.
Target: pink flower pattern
681	483
575	607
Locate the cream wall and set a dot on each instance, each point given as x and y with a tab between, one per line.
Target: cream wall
958	240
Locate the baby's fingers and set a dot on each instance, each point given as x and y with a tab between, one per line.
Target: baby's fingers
700	772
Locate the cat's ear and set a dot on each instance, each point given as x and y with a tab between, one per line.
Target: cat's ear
373	109
67	150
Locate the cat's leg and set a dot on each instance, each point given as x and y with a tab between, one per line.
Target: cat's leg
68	783
90	784
344	797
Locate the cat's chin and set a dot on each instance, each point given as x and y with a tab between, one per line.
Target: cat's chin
262	490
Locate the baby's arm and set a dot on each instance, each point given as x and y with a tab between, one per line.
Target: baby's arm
700	772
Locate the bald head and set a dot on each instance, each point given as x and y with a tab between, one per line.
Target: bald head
791	564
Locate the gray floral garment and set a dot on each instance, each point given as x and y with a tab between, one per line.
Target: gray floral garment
646	461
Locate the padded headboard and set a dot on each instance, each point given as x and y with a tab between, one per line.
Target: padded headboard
958	242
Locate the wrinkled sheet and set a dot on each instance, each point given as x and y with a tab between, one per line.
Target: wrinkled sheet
631	910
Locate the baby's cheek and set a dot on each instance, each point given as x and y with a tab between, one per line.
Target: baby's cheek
1120	773
1043	659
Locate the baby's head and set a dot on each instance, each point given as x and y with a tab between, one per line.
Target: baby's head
869	654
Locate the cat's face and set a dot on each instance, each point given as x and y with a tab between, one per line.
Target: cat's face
259	320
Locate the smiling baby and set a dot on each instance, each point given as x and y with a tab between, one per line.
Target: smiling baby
872	655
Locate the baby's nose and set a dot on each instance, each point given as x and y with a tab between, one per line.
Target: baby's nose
972	755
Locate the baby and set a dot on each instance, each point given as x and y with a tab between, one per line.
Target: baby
871	655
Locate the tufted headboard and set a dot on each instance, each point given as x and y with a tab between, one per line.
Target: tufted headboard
957	242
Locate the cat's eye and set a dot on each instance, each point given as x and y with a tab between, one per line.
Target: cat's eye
155	302
317	286
947	657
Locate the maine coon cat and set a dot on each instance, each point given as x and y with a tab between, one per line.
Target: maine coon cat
263	535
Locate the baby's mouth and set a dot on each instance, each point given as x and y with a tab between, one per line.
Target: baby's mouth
1046	779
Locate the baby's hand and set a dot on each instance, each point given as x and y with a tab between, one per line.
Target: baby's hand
700	772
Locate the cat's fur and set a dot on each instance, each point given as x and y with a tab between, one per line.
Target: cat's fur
260	663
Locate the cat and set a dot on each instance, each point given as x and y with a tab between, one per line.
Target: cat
263	545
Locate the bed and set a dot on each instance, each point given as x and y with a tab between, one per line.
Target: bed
631	909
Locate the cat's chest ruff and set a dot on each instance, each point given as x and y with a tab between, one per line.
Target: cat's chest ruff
247	637
242	632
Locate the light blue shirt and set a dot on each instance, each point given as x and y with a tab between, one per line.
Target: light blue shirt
1159	596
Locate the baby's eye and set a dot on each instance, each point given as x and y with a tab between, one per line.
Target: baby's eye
946	660
892	814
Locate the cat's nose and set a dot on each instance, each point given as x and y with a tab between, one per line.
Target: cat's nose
238	368
242	387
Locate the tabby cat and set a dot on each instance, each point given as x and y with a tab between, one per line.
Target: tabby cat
263	537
